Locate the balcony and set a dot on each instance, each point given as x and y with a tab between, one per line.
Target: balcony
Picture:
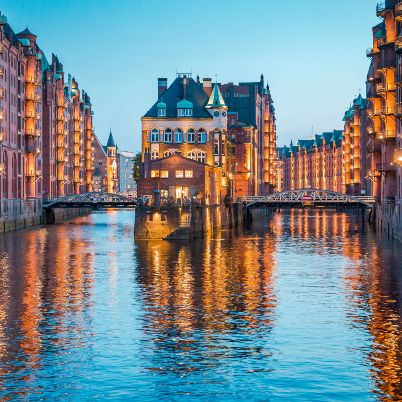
2	71
389	110
398	11
1	93
382	88
385	134
398	110
1	48
398	44
32	149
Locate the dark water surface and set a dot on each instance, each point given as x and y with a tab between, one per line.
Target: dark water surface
305	307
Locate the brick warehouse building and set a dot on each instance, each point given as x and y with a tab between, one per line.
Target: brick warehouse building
185	127
253	104
46	130
384	109
314	163
192	119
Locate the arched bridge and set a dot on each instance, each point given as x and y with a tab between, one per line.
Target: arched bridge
310	197
92	200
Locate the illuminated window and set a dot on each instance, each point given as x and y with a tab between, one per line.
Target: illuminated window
192	155
167	153
201	157
188	174
164	174
179	174
155	173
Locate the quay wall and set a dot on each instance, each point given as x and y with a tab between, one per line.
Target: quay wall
388	220
20	215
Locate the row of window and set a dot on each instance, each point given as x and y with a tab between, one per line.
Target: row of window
180	112
197	156
179	137
179	174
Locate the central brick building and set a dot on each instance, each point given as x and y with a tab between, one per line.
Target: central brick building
184	143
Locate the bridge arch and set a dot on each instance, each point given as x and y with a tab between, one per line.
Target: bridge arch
317	197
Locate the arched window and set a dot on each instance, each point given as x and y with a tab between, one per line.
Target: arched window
167	153
178	136
191	136
168	135
201	157
155	135
192	155
202	136
154	155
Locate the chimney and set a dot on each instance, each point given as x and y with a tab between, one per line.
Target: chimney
207	85
162	86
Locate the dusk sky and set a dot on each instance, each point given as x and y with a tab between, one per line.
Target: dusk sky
311	52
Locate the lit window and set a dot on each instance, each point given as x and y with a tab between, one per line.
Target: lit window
192	155
164	174
155	173
201	157
167	153
155	135
179	174
168	135
191	136
178	136
188	174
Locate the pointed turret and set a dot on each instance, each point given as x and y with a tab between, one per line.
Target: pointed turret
110	141
216	99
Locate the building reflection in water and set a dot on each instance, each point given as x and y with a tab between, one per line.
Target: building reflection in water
45	282
198	295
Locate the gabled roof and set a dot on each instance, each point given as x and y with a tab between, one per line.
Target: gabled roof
216	99
177	155
192	92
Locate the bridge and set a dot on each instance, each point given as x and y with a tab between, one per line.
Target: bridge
92	200
310	197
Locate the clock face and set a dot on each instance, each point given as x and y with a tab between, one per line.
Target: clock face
223	114
216	114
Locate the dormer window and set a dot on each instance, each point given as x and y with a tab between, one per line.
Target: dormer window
161	106
184	108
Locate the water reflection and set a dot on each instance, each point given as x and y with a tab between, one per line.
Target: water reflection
305	306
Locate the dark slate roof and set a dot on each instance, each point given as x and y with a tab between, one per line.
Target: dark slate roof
192	92
10	34
110	141
26	31
307	144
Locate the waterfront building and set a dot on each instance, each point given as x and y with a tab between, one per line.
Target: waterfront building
357	148
111	163
313	163
242	158
125	163
184	144
253	105
384	94
46	130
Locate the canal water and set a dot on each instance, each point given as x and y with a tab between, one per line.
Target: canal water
306	306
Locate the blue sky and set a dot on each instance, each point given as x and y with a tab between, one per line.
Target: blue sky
312	53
